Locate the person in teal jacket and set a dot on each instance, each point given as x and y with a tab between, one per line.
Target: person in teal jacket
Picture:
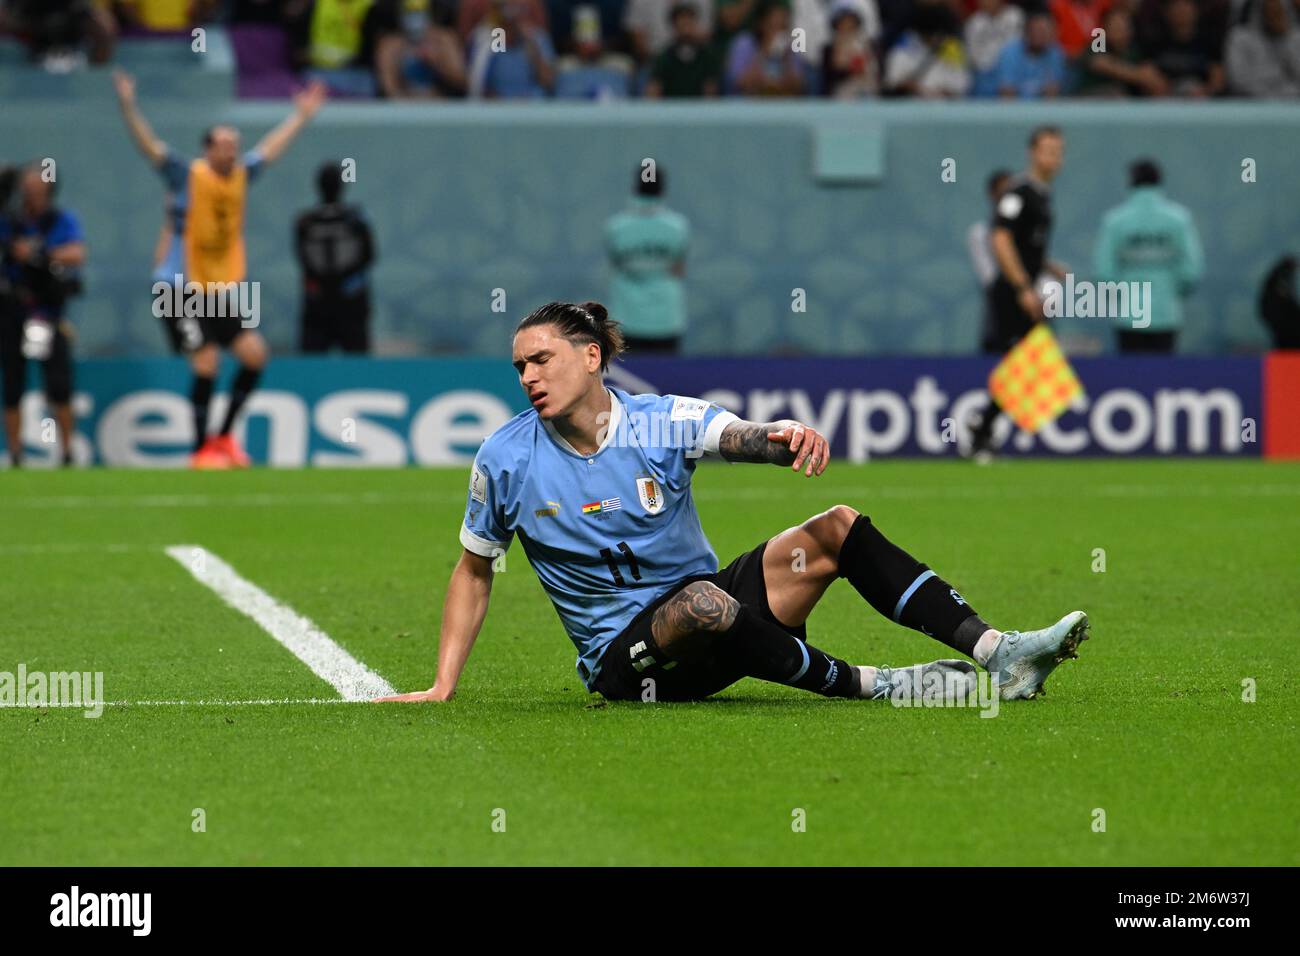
1149	238
647	246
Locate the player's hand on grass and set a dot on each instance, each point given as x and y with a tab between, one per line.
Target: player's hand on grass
433	694
811	450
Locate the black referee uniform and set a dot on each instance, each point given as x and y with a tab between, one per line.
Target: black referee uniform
335	248
1026	210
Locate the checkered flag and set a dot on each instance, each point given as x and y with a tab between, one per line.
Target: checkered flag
1034	382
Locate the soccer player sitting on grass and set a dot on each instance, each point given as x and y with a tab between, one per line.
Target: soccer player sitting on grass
597	484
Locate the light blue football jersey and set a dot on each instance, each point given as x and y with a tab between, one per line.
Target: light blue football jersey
606	533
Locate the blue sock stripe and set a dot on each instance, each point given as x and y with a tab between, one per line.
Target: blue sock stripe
920	579
803	670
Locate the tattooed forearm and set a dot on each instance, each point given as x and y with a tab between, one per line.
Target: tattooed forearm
699	606
747	441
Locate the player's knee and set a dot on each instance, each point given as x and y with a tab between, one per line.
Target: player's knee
204	362
831	527
255	353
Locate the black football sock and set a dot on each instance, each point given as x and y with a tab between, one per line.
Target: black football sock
244	384
200	396
905	590
767	651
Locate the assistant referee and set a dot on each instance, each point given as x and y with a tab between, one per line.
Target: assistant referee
1022	227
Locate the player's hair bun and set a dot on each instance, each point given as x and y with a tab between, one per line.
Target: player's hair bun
588	322
599	314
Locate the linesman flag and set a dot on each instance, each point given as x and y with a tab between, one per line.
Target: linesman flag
1034	383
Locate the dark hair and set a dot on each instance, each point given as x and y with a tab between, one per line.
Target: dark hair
996	177
209	133
652	187
589	322
39	171
1040	131
934	19
329	181
1144	172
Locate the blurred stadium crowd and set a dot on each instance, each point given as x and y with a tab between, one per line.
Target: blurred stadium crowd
614	49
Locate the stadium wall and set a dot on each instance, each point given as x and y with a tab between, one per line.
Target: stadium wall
397	412
844	201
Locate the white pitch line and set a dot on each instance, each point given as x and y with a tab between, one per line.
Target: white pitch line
331	663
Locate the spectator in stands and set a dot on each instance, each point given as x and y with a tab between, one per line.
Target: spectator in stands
334	42
647	254
1151	27
1263	52
418	54
1278	305
591	72
735	17
1075	21
987	32
815	18
102	31
762	62
895	20
260	11
472	13
1032	66
1121	69
335	250
651	25
928	60
849	65
689	66
1149	238
603	18
165	16
1188	56
57	32
523	67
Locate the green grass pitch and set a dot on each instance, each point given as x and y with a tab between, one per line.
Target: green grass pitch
1199	593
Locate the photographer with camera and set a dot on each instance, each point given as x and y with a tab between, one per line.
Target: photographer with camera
42	250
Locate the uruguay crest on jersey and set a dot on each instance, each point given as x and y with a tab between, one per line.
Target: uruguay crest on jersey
651	494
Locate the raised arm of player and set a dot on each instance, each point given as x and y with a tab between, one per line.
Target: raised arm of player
786	442
305	105
462	617
153	148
